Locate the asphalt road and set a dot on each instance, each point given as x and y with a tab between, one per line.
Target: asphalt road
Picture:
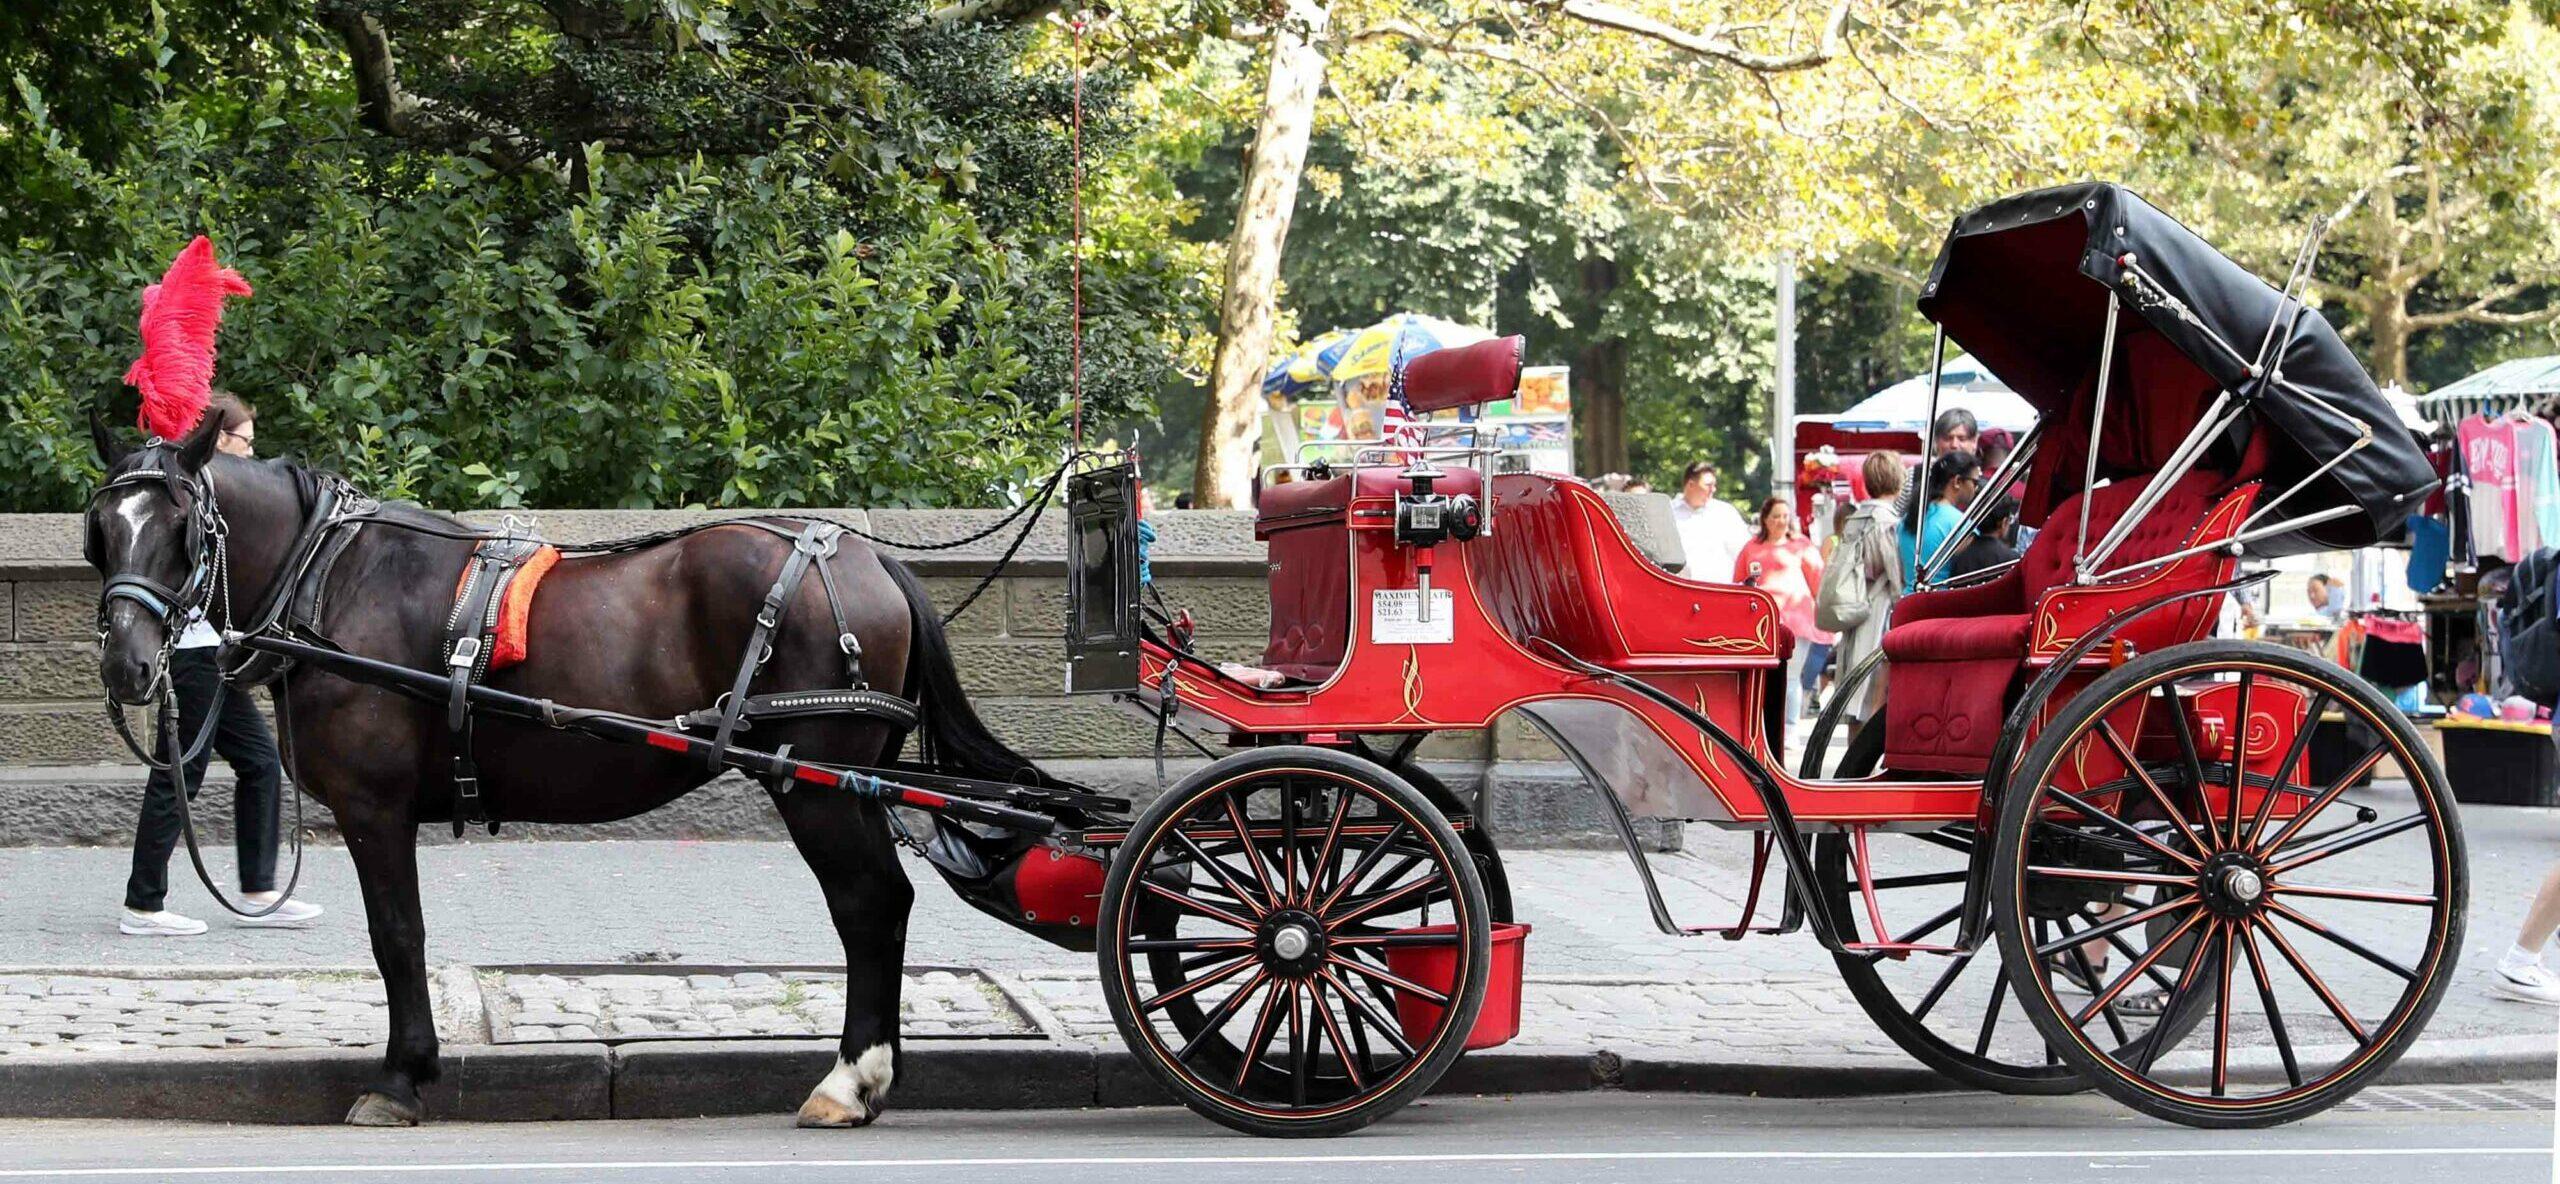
2404	1135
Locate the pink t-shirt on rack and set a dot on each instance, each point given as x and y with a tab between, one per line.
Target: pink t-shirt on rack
2489	457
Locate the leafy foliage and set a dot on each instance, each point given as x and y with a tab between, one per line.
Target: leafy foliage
863	304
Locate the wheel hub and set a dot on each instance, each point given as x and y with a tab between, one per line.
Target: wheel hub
1292	942
2232	884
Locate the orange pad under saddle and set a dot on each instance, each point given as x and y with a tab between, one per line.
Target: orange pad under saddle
508	647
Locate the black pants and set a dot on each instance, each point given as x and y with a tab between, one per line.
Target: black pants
246	745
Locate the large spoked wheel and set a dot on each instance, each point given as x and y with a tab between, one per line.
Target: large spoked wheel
2301	932
1261	930
1951	1013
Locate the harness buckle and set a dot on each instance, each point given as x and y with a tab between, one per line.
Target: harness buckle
466	652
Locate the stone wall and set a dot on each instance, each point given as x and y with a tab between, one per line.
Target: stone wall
66	778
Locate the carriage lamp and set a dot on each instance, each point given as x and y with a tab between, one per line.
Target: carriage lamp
1426	518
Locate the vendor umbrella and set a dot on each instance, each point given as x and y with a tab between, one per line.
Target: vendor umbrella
1347	354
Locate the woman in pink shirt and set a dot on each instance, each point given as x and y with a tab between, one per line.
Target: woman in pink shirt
1786	565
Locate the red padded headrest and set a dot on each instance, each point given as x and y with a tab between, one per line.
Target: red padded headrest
1463	377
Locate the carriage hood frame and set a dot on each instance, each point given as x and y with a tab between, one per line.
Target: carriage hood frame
2032	284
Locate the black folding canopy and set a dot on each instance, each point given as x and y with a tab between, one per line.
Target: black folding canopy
2022	285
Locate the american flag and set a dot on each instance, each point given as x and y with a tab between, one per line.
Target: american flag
1396	425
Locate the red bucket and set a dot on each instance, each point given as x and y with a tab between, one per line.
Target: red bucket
1436	967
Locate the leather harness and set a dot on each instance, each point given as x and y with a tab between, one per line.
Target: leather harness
470	636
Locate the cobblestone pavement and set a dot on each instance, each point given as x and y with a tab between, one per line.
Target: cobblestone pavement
537	1007
1602	976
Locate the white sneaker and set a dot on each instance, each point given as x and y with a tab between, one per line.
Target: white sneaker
292	914
160	924
2530	983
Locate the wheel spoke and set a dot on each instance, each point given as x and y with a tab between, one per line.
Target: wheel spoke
1381	902
1298	1039
2275	1015
2162	1039
2346	843
2284	771
2364	764
2319	986
2121	946
2177	818
2135	971
1397	940
1360	870
1202	907
1226	1011
1955	967
1320	873
1393	1031
1244	836
2239	755
2193	758
1390	979
2118	825
2367	895
1204	982
1258	1039
1185	945
2111	876
2222	1000
1289	852
1991	1015
1919	880
1333	1035
2117	925
2089	970
1218	871
2342	941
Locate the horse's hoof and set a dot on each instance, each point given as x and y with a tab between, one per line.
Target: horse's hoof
823	1112
373	1109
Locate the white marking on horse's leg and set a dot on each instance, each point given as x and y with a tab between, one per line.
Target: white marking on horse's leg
851	1093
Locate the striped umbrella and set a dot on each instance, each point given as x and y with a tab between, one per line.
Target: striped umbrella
1346	354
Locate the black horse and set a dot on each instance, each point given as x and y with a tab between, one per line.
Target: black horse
655	632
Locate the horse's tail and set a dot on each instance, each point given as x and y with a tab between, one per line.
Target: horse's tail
950	736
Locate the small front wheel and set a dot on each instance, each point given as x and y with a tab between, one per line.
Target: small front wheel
2292	933
1295	942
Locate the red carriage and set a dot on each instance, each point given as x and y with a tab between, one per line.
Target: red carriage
2084	843
2076	805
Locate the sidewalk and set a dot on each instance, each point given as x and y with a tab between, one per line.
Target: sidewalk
669	960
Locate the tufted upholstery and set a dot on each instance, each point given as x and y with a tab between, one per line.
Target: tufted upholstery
1305	525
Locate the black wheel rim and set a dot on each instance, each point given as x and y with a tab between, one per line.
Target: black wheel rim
2292	931
1956	1012
1259	974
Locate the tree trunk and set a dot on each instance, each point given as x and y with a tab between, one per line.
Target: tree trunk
1600	379
2388	323
1232	434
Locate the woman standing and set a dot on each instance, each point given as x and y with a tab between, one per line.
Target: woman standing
1952	481
1784	564
1865	576
241	737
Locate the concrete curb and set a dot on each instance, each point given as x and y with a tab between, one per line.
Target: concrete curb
704	1078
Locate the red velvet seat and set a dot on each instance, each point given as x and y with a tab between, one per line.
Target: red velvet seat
1953	657
1306	527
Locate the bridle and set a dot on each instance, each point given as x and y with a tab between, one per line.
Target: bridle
207	538
208	541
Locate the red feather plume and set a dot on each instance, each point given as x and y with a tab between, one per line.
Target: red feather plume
180	316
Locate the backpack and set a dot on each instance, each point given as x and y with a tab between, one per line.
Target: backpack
1840	605
2529	617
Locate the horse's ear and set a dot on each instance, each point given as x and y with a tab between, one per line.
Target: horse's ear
111	451
197	447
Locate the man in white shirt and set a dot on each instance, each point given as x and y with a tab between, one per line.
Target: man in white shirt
1711	532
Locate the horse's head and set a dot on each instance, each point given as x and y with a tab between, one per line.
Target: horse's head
150	533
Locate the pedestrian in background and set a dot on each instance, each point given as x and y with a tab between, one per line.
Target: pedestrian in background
241	737
2520	974
1954	477
1711	532
1780	561
1864	577
1993	542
